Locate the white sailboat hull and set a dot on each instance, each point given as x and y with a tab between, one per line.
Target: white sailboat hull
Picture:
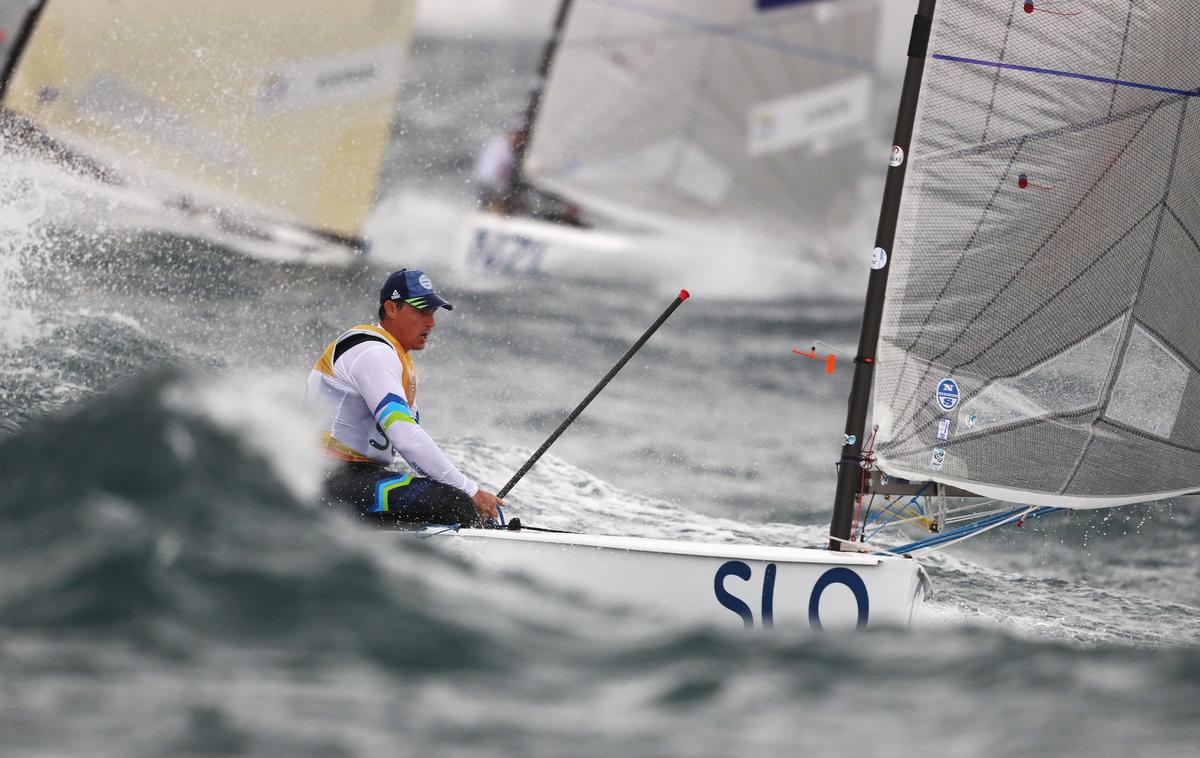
699	257
726	585
523	247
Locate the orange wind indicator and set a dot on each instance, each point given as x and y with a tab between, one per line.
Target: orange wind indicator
830	360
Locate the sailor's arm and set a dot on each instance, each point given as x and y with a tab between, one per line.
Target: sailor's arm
415	445
423	454
379	378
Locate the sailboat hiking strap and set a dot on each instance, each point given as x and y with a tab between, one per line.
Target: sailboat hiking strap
352	340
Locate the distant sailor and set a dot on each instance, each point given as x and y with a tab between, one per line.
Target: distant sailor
495	172
365	384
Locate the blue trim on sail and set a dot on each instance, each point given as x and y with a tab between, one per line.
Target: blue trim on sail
1067	74
766	5
743	35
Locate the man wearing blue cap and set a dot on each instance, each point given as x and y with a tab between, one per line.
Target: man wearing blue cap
365	383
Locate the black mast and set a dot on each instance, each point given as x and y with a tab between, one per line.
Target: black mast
18	45
850	470
535	96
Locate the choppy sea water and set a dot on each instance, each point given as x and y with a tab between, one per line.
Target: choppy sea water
169	587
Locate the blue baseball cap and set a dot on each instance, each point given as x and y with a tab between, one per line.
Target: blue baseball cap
412	287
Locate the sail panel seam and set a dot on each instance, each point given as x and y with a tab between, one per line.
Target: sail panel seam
1128	335
1083	198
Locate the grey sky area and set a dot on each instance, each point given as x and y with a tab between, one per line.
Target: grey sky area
503	17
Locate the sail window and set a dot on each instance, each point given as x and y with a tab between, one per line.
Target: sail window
1071	381
1149	388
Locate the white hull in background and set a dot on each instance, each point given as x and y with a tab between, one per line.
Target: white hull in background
525	247
712	261
727	585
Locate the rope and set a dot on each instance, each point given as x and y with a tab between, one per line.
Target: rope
979	527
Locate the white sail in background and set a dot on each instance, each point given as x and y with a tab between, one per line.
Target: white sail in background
710	109
277	107
1039	339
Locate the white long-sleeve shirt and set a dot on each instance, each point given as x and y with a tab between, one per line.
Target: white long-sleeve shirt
367	412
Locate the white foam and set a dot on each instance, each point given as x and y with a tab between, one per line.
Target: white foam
268	413
715	261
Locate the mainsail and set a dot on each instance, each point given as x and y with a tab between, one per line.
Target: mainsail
709	109
277	108
1039	340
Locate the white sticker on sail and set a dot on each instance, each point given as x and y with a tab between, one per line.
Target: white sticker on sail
879	258
820	116
360	75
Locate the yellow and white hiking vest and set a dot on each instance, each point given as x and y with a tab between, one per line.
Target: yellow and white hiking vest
355	427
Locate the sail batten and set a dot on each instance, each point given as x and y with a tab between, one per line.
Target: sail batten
1036	339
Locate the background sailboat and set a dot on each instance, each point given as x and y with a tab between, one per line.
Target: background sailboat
259	125
694	129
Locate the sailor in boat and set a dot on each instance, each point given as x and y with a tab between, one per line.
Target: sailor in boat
365	386
494	175
500	187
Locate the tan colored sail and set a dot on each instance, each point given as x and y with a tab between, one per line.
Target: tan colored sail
280	107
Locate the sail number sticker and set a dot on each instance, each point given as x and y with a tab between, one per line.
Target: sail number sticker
838	575
947	394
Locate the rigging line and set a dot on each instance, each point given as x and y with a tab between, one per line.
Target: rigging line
1183	226
734	32
1067	217
865	517
1030	513
971	506
916	520
973	530
896	510
1112	103
1068	75
974	517
913	500
987	123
